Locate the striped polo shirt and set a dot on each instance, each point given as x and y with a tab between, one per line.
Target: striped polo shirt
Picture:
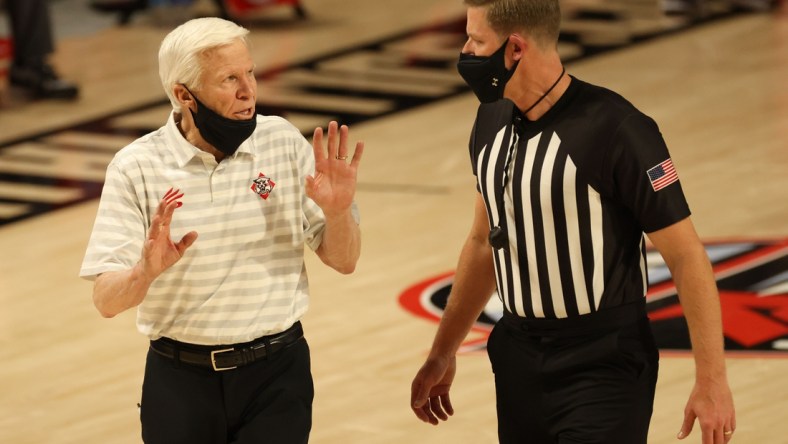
244	277
582	185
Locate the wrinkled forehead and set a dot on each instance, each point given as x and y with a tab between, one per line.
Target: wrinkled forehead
226	59
224	53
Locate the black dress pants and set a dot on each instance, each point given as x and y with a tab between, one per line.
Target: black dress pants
31	30
596	387
266	402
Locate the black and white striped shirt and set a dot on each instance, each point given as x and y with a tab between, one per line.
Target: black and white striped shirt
577	200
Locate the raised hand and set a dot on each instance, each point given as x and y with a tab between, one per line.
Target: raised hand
160	252
334	183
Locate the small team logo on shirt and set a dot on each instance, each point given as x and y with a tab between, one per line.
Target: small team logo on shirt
662	175
263	185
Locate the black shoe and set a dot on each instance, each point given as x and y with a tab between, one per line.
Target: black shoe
41	82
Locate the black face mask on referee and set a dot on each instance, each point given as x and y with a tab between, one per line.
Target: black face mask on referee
486	75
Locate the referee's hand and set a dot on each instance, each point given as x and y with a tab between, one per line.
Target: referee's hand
429	392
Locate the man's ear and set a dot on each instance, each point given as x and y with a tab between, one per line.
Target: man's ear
518	46
184	97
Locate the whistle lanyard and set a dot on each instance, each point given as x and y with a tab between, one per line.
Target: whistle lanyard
498	237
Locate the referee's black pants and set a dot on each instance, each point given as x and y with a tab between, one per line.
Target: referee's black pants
266	402
577	385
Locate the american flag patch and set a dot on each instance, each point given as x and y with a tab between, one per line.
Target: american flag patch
662	175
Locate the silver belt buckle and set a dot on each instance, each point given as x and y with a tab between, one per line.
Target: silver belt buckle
213	360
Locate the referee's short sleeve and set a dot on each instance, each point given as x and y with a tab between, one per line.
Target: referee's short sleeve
641	173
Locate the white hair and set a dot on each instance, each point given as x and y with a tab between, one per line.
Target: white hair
181	51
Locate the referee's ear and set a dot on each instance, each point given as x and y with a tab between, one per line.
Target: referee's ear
518	45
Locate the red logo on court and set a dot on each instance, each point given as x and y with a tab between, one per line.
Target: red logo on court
752	277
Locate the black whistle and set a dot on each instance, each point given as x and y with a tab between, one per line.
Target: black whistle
498	238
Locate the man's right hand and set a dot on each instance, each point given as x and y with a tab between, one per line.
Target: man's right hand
429	393
117	291
159	251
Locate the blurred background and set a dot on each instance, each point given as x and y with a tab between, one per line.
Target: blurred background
79	80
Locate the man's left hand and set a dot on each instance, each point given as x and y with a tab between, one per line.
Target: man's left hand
333	185
712	406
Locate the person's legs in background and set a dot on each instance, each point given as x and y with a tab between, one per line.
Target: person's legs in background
33	42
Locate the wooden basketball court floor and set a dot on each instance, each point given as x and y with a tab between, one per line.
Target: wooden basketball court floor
718	91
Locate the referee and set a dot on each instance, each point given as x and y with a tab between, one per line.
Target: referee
569	177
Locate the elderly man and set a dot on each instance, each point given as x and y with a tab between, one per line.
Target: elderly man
228	361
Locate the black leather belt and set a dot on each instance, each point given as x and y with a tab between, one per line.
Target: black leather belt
604	319
227	357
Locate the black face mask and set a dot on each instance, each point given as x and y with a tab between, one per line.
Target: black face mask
486	75
226	135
